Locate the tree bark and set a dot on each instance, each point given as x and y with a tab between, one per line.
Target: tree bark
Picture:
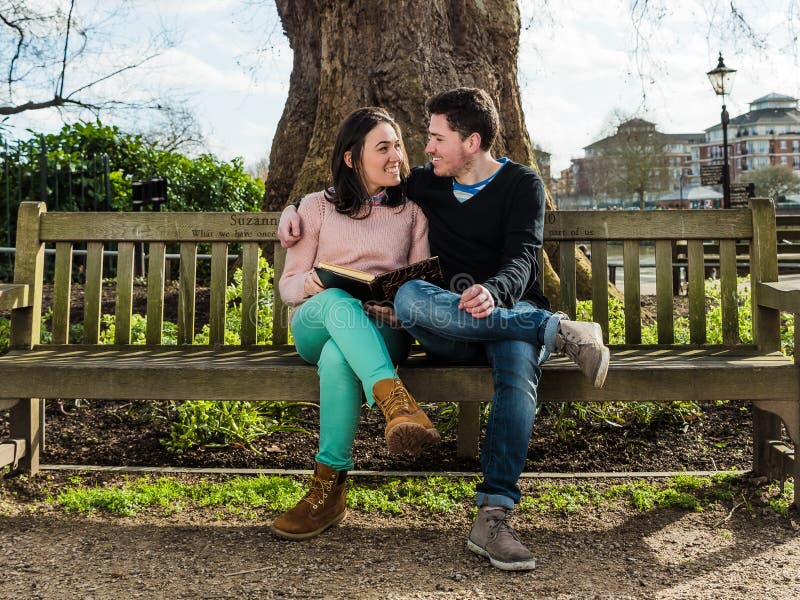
395	54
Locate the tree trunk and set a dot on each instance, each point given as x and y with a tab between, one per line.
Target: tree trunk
394	54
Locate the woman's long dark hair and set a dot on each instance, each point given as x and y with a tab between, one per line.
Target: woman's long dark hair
348	194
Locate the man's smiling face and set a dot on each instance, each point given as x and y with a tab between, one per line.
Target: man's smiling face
446	149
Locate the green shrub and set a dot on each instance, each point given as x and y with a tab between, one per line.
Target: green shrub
233	315
569	415
5	334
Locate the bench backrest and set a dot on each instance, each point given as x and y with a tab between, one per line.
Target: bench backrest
754	226
725	228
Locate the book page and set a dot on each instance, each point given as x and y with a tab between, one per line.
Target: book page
347	272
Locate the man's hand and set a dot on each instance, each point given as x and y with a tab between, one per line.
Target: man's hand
289	227
382	314
477	301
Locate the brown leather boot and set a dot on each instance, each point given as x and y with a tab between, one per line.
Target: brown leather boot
322	507
408	428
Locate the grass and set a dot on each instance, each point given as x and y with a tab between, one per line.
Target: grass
242	496
685	492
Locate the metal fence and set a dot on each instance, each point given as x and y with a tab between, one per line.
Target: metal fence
64	182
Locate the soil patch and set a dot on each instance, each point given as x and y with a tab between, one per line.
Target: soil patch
117	433
599	552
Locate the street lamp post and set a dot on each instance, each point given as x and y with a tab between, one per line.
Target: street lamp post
721	80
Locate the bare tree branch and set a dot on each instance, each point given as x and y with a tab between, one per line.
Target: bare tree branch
54	102
20	41
49	62
62	76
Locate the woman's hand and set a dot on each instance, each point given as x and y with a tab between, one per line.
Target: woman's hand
382	314
311	284
290	227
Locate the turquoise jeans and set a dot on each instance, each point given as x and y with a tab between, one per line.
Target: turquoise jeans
352	352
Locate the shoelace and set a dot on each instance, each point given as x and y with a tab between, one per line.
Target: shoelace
501	526
319	492
397	398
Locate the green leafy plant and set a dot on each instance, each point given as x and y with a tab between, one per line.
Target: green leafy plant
686	492
5	334
242	496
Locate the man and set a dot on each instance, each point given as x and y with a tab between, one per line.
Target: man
485	218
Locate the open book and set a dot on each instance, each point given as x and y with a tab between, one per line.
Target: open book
379	288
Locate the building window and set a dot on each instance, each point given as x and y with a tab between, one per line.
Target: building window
796	163
783	144
784	161
795	145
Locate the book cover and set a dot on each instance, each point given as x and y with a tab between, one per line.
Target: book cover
379	288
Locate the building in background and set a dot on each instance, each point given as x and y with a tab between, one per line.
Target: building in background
630	169
768	134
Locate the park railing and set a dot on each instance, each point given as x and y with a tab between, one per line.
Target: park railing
65	182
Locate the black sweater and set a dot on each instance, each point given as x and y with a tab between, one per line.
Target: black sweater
491	238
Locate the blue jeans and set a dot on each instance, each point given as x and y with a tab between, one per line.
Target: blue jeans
515	342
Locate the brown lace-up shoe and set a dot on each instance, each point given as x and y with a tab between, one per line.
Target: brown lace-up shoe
582	341
408	428
322	507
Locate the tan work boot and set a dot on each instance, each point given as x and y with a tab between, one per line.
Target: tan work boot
408	428
323	506
582	341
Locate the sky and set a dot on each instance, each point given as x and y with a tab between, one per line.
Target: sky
231	63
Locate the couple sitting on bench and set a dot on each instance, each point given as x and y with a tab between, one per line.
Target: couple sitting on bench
483	218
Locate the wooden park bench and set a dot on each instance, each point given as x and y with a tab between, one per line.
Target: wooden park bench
757	372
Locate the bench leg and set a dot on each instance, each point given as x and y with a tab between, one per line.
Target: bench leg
24	421
766	427
468	431
767	420
796	477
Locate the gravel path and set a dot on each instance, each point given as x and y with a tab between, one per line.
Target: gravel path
608	552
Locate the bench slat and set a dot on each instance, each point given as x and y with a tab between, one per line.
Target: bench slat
278	373
632	292
664	300
62	291
697	293
155	292
280	314
219	273
249	331
600	285
122	319
93	291
186	294
728	293
648	225
764	267
566	272
159	227
262	227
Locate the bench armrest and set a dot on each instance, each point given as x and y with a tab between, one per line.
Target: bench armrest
14	295
781	295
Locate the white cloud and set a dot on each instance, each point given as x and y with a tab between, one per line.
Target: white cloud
576	65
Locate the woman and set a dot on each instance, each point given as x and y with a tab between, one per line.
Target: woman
364	222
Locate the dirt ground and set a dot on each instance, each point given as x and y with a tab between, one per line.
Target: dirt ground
606	552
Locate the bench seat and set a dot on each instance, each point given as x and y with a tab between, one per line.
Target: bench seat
277	373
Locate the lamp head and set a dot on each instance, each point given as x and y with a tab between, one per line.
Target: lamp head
721	78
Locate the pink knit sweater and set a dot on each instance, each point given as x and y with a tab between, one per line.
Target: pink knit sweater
389	238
